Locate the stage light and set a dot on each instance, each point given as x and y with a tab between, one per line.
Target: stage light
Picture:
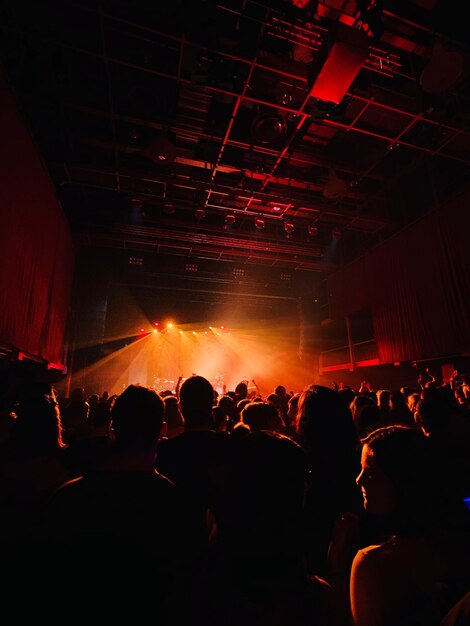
312	230
142	330
169	325
155	330
230	218
268	129
199	214
260	223
289	228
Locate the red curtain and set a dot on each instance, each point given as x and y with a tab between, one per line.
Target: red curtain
417	286
36	252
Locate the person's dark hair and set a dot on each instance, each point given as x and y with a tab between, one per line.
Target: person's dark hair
383	398
227	404
359	401
435	408
77	394
172	415
137	417
274	399
38	424
242	404
294	402
322	415
232	394
407	458
347	395
269	481
397	398
262	416
220	418
93	399
100	414
241	390
196	401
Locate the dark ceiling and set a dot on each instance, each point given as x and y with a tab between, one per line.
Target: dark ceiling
178	128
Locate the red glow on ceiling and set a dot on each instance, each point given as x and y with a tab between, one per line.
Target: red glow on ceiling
342	65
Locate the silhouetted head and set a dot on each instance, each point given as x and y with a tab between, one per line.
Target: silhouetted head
434	409
38	424
172	416
196	400
137	417
241	391
274	399
262	416
322	416
228	406
400	478
267	483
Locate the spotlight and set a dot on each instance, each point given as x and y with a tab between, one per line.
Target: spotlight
259	223
312	230
289	228
336	233
268	129
230	218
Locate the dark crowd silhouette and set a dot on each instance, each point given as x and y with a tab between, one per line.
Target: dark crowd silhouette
323	506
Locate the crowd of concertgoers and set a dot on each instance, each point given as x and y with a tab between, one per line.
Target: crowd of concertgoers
323	507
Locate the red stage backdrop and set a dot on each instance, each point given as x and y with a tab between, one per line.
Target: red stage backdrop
36	252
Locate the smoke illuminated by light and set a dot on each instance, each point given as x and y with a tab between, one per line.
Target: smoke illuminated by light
264	349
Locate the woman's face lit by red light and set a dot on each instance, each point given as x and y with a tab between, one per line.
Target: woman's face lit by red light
378	491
